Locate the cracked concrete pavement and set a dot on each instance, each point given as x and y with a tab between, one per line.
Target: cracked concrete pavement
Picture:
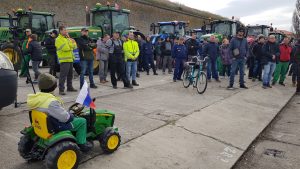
164	125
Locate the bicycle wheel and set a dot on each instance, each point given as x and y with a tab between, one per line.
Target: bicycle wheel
186	78
201	83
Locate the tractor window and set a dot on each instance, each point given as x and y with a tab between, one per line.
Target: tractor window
180	32
102	19
4	23
234	29
221	28
120	21
50	22
254	31
39	23
24	22
266	32
169	29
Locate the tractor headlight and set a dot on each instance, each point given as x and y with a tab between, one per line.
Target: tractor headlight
5	63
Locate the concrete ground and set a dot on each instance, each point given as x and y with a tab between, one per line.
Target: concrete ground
278	147
164	125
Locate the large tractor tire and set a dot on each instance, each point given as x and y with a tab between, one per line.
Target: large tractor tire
24	146
64	155
14	55
110	140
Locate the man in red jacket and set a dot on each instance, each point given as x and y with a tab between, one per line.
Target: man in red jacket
284	60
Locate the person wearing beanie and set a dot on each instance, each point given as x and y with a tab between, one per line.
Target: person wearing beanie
45	101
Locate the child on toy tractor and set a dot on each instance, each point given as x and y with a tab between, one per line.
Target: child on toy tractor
45	101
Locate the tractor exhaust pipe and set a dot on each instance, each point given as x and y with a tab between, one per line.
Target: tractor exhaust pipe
88	16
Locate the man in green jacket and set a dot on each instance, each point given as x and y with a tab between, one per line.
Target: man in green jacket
132	51
64	48
25	61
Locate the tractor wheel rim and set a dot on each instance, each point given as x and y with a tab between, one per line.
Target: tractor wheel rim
113	142
67	160
10	54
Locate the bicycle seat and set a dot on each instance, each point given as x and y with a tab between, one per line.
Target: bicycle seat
191	63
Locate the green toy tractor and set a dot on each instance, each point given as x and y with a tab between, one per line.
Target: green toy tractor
59	149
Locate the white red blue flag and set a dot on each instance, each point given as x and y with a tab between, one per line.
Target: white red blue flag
84	97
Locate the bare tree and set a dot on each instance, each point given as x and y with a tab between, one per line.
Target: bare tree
296	19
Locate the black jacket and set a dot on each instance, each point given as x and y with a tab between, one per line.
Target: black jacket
50	45
35	51
257	51
192	47
85	46
270	49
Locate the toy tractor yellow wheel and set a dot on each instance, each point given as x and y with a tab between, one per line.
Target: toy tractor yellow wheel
110	140
14	55
64	155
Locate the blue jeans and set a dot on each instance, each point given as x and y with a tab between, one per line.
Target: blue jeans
237	63
269	69
178	69
87	65
212	69
131	68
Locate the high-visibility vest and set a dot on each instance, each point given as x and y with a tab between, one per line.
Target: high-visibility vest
64	49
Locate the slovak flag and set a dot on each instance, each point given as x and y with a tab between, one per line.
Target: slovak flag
84	97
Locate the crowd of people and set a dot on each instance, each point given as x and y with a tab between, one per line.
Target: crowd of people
125	56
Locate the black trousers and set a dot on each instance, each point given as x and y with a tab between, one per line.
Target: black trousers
298	77
251	63
117	68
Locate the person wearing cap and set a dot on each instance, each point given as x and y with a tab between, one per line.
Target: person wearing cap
270	57
25	61
116	60
179	53
239	49
86	46
132	51
45	101
49	43
64	49
258	54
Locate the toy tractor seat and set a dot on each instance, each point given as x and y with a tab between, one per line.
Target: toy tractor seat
41	124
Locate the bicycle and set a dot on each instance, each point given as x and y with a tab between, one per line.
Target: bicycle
192	76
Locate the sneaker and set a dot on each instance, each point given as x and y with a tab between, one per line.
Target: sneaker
230	87
71	90
155	73
85	147
62	93
115	87
281	83
243	87
179	79
93	86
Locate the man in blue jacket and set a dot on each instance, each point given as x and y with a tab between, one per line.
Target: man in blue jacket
179	53
239	49
212	50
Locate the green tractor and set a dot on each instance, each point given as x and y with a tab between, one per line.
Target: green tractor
4	21
38	22
58	149
105	20
223	28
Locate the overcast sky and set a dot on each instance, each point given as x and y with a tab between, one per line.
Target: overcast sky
278	12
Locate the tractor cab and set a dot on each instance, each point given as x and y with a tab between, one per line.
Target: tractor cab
253	31
227	28
38	22
199	33
110	18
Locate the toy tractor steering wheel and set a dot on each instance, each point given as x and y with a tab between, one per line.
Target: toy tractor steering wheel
76	108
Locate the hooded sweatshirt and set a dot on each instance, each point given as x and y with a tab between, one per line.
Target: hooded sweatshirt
52	106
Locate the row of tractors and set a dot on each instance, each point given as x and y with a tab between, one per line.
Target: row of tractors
106	19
